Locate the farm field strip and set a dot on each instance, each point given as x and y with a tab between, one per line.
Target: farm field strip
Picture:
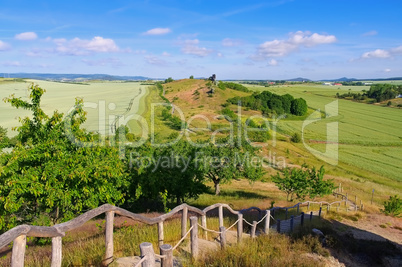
108	99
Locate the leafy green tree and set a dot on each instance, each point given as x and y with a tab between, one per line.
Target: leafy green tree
169	80
191	77
299	107
222	163
48	174
171	170
303	182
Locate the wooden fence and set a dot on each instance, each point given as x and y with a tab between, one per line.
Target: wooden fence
18	234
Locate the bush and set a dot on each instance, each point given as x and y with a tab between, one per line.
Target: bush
296	138
393	206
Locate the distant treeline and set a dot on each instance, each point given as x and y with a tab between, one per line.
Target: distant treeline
270	103
234	86
379	92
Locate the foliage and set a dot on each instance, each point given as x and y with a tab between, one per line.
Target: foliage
191	77
174	122
172	170
224	162
229	114
298	107
393	206
4	140
169	80
233	86
296	138
47	173
382	92
303	182
268	103
256	132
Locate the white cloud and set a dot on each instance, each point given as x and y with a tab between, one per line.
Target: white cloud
79	46
228	42
190	47
370	33
26	36
273	62
387	70
396	50
378	53
165	54
151	59
382	53
158	31
12	64
280	48
4	46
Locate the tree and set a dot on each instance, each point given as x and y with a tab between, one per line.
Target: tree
47	174
303	182
298	107
191	77
296	138
222	163
171	169
169	80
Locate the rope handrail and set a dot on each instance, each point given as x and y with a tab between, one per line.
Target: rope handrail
160	256
232	225
181	240
258	221
209	230
141	261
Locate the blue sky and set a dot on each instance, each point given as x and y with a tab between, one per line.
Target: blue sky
276	39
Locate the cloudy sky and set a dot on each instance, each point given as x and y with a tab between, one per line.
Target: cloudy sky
272	39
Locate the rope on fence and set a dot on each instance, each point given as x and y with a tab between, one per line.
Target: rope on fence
247	222
160	256
181	240
141	261
232	226
209	230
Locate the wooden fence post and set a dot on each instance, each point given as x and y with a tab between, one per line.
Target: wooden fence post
108	238
147	251
302	219
194	236
311	215
319	212
222	229
56	251
166	250
308	205
253	229
239	227
328	207
160	233
291	223
184	222
220	216
278	226
204	224
267	219
18	254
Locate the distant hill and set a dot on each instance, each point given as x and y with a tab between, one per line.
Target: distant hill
75	77
345	79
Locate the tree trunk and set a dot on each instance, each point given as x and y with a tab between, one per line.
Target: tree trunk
217	189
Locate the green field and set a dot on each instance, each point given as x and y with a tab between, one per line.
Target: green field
104	100
370	136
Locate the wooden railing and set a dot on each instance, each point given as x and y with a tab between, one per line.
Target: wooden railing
20	233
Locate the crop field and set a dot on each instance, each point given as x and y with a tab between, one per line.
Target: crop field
369	136
104	101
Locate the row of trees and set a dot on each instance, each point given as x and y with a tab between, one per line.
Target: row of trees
382	92
270	103
58	170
